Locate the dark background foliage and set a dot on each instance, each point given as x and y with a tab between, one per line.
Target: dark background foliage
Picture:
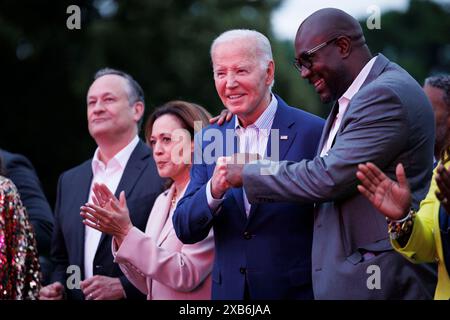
48	68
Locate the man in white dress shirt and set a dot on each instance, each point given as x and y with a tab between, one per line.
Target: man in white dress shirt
261	251
115	106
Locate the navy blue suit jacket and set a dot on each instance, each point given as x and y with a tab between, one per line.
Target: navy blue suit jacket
141	184
444	224
271	249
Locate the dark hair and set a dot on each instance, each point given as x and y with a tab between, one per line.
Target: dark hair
134	90
442	82
186	112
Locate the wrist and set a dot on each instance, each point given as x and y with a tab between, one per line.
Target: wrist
216	194
402	228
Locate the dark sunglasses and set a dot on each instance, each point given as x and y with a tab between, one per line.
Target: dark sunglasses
304	61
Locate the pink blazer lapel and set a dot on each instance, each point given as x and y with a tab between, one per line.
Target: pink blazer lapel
159	214
168	226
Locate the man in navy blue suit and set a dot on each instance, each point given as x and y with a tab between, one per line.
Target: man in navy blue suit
263	251
115	105
20	170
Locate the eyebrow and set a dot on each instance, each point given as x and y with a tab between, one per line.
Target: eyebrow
161	134
102	95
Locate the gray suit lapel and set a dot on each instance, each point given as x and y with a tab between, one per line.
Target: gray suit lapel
327	128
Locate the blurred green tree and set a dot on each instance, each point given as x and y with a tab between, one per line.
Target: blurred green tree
417	39
163	44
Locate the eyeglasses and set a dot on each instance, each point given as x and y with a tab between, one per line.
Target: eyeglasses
304	61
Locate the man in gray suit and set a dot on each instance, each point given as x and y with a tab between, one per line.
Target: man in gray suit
381	115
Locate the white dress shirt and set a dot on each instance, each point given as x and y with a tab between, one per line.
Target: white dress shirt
109	174
343	101
252	139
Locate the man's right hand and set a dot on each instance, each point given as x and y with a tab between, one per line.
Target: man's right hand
54	291
224	115
219	184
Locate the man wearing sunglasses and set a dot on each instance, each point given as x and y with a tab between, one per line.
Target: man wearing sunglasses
380	115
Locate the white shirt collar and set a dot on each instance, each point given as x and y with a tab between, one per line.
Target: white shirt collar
121	158
265	120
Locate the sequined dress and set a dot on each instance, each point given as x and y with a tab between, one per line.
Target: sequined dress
19	263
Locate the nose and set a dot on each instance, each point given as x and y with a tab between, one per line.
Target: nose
98	107
231	81
157	149
305	73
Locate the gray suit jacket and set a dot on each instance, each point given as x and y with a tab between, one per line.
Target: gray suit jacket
388	121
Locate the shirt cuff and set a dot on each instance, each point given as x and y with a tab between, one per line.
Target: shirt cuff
213	204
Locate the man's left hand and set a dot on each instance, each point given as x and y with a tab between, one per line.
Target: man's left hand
102	288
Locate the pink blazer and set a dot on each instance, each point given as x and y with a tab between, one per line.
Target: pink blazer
159	264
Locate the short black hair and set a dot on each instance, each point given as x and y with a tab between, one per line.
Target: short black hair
440	82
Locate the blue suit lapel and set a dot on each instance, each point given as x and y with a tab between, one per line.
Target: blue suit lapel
282	122
228	151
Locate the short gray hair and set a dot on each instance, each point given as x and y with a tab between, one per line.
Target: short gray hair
262	44
133	89
440	82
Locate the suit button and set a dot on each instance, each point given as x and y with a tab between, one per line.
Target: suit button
247	235
242	270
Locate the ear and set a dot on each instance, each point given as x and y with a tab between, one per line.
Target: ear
345	46
270	72
138	109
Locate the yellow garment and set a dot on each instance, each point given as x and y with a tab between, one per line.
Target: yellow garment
424	244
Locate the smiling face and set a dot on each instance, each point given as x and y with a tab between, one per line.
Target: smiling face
326	72
170	144
241	82
108	109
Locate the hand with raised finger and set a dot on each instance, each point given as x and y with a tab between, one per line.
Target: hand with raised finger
102	195
224	116
443	182
102	288
393	199
115	221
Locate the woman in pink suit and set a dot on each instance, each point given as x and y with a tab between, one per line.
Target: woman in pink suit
156	262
